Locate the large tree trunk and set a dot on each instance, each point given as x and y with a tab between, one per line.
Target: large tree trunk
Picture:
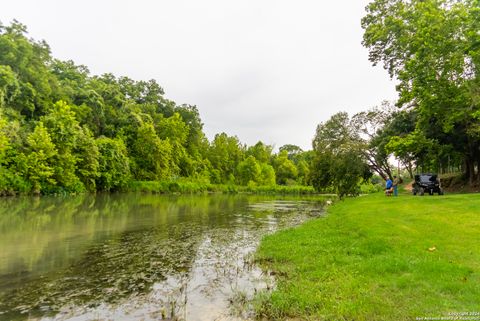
409	167
382	168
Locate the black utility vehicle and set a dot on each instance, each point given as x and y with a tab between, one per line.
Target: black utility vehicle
427	183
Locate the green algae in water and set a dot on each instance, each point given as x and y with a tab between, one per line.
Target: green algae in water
136	257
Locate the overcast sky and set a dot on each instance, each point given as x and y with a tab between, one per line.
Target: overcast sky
268	70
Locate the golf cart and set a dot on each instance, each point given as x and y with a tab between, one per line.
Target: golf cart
426	183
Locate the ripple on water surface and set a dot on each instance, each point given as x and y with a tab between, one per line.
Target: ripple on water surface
137	257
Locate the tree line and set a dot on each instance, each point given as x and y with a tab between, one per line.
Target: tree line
63	130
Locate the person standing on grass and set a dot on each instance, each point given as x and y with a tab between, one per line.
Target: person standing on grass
388	187
395	185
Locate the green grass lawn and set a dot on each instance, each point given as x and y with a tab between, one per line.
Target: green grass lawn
378	258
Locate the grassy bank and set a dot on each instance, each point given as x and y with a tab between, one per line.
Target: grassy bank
192	187
378	258
186	186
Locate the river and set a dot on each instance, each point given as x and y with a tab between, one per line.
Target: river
138	256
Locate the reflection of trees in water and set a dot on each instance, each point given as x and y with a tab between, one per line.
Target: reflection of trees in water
52	224
88	250
108	271
118	256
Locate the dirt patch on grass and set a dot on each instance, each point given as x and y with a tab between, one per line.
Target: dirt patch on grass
408	187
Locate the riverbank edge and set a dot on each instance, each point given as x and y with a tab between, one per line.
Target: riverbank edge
338	268
188	187
194	187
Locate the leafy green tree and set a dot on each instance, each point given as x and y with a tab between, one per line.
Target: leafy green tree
432	47
28	60
196	144
267	175
196	140
261	152
39	161
152	155
87	159
292	150
285	169
248	171
224	154
62	124
8	85
400	125
4	147
12	178
4	141
339	162
303	169
72	81
371	126
175	131
301	159
114	166
66	133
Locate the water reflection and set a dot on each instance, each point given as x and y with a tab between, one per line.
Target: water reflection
132	256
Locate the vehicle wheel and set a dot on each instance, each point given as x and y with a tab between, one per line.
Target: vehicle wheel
422	191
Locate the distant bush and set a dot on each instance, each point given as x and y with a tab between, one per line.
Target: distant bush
11	184
165	187
370	188
281	189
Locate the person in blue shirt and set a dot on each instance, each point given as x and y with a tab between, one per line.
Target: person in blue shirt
389	187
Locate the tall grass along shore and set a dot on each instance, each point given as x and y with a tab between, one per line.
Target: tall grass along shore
186	186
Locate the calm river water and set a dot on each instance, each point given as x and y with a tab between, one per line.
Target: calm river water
137	257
